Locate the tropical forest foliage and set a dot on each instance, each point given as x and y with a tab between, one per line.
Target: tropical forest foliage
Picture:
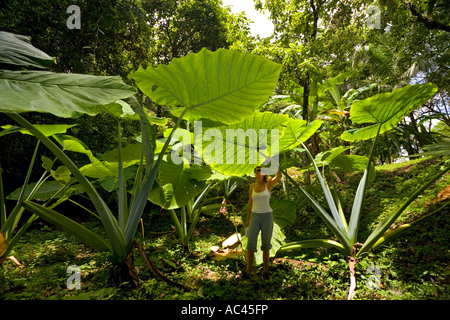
117	154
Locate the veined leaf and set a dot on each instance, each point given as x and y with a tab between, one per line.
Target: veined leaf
387	109
354	163
178	184
17	50
238	148
46	129
297	130
223	85
324	158
284	211
62	94
122	110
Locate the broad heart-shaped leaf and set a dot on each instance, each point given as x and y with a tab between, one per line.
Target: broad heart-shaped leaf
284	211
237	149
178	184
297	130
62	94
17	50
387	109
107	170
324	158
223	85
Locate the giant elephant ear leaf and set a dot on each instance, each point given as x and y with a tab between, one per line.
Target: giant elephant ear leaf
178	184
62	94
17	50
236	149
297	130
223	85
387	109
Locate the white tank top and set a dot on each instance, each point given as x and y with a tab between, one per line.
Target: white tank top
261	201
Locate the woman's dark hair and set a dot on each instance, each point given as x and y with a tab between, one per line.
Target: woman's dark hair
258	168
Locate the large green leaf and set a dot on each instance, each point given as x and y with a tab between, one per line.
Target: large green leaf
387	109
354	163
64	95
297	129
17	50
284	211
237	149
46	129
45	191
223	85
95	169
178	184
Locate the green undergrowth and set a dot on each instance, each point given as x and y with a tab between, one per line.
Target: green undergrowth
411	266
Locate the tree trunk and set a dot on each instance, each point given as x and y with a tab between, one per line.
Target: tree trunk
305	109
416	129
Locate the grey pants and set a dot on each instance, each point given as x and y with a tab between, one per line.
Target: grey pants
260	222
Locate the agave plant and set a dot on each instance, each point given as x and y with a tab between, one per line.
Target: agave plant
385	111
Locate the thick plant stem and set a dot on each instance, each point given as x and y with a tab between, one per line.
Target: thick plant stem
352	264
125	271
13	259
154	269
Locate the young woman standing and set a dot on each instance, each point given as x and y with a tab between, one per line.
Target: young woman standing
260	217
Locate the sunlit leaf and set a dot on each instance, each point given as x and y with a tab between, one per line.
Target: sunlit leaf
386	109
223	85
65	95
17	50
